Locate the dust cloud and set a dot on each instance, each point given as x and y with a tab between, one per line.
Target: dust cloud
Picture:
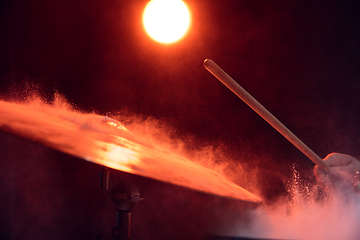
308	211
311	211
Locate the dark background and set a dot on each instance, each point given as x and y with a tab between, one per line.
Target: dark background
300	59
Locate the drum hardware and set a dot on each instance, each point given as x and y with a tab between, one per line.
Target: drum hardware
125	197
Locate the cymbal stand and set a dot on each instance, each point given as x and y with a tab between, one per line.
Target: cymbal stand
125	197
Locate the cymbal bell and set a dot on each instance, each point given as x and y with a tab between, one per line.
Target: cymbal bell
105	141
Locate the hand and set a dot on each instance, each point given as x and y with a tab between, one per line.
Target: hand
342	167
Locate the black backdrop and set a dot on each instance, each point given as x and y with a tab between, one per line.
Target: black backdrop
300	59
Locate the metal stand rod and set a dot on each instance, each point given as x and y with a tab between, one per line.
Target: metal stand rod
104	178
123	225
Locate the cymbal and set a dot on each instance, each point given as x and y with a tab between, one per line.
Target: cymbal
107	142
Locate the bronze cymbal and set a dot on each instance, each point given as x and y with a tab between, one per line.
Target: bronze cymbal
105	141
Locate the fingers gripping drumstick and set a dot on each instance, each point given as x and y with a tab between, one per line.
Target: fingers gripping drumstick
262	111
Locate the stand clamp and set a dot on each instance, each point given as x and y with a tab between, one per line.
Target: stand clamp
125	197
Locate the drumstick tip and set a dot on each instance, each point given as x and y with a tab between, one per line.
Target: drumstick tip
207	62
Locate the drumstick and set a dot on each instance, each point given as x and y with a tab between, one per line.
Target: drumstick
262	111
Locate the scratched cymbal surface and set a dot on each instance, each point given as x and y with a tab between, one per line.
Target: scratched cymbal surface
104	141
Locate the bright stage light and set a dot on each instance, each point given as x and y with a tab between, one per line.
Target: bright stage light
166	21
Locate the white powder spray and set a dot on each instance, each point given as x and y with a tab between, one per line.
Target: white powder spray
312	213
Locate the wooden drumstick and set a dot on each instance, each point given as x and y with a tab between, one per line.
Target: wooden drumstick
262	111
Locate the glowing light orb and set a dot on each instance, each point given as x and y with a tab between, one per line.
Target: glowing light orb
166	21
